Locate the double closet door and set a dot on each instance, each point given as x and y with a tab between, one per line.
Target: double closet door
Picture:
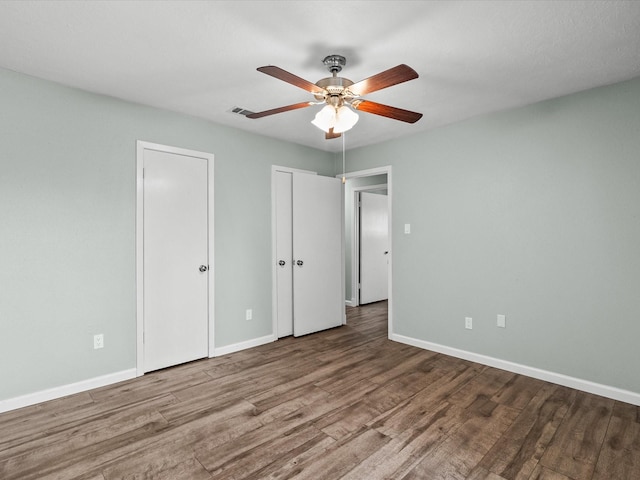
309	255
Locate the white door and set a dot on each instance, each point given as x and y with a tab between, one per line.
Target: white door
374	247
318	301
175	229
284	252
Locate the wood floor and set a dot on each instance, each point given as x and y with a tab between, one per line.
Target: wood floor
345	403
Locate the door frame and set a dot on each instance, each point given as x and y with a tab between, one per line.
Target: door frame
368	173
274	256
141	146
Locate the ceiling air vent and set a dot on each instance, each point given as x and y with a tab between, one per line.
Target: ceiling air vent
241	111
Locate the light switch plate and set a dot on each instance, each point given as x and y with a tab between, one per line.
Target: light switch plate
502	321
407	228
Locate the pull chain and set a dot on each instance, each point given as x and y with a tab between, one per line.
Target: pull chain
344	179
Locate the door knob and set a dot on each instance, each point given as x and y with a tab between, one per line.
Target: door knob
282	263
386	252
299	263
203	268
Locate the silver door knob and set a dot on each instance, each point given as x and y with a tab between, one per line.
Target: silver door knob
203	268
299	263
282	263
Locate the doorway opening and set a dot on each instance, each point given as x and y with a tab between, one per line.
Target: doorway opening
379	181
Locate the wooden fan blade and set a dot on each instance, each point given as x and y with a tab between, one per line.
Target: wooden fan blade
330	134
273	111
387	111
285	76
393	76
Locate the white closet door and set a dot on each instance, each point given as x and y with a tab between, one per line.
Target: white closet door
284	252
318	302
175	259
374	247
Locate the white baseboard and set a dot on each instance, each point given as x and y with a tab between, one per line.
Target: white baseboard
83	386
64	390
557	378
350	303
236	347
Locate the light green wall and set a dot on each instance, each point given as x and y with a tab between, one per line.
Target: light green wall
533	213
67	214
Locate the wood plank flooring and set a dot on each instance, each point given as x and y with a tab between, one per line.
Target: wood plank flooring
342	404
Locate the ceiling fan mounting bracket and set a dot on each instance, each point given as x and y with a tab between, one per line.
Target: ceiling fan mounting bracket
334	63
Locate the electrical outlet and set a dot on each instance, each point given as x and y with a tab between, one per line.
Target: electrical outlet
249	314
502	321
468	323
98	341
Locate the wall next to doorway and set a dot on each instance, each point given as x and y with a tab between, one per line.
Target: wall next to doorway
533	213
67	246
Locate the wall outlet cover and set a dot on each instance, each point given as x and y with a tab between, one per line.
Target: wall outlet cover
501	321
468	323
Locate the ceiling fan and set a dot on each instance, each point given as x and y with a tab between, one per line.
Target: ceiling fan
338	94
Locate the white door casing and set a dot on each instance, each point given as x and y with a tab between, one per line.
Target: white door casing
374	248
174	239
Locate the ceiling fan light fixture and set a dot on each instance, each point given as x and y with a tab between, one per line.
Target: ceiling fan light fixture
325	119
345	119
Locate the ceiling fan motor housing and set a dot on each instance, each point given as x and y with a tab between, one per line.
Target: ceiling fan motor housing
336	87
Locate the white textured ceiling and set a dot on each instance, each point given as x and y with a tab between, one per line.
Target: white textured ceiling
200	57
